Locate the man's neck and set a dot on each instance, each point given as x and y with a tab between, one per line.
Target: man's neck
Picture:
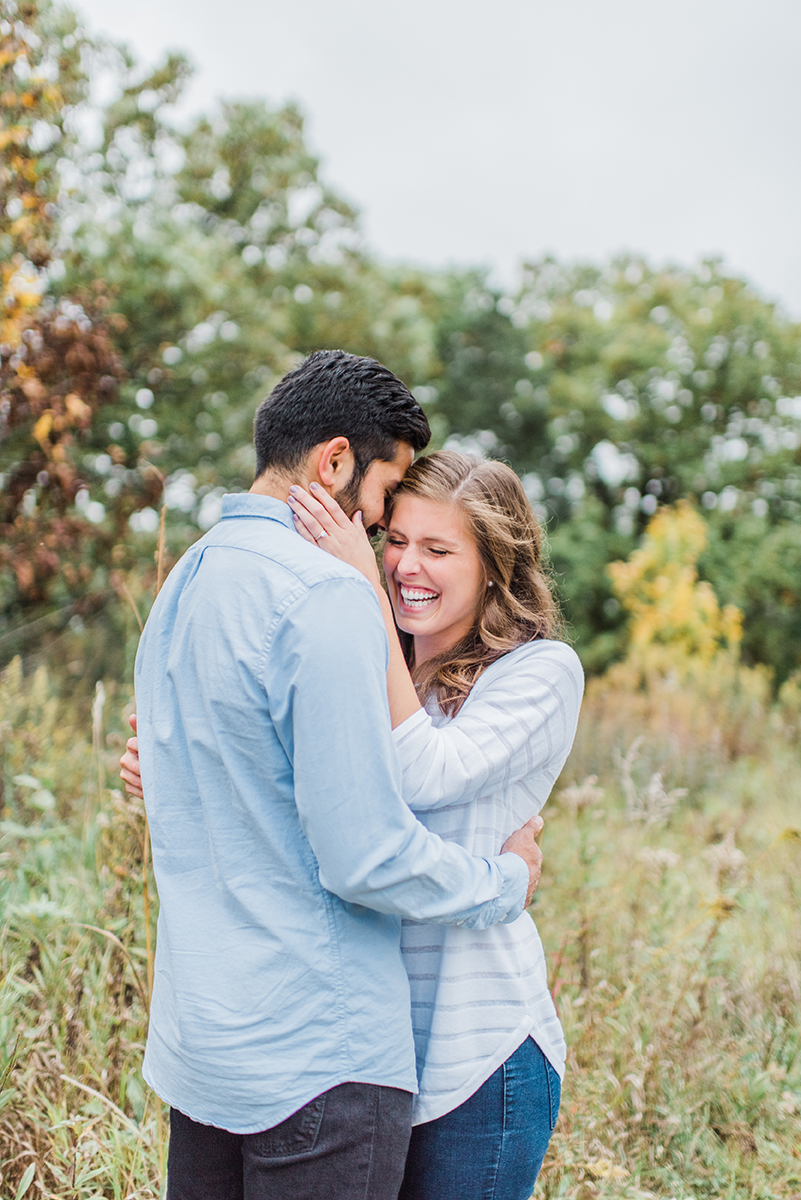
277	483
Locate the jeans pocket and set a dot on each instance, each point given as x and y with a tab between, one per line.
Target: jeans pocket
296	1135
554	1093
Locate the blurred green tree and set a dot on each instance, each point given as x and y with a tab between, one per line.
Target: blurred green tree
229	260
210	258
612	390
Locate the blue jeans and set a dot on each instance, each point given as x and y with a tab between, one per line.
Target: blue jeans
492	1146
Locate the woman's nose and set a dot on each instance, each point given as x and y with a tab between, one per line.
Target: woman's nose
409	563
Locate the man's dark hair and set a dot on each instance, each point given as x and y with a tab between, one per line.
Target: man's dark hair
334	394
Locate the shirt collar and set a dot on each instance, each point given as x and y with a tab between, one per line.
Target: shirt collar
252	504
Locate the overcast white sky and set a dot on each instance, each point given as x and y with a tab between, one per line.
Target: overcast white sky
476	132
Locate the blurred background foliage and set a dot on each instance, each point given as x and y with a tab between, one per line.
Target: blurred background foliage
157	280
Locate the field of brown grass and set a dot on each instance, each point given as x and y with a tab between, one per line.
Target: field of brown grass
670	908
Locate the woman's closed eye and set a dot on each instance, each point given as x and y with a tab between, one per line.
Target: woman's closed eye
399	544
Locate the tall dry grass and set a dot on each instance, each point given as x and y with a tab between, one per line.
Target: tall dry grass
670	908
671	912
75	1117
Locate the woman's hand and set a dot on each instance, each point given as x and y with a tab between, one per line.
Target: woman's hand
131	773
319	519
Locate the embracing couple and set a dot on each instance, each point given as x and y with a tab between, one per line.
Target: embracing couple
342	784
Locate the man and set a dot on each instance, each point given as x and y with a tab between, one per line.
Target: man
280	1029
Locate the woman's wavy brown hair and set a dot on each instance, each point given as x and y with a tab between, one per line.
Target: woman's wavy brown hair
517	604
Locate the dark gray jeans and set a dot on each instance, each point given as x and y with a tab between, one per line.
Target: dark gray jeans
348	1144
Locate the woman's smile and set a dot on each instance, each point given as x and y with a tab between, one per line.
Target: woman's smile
416	599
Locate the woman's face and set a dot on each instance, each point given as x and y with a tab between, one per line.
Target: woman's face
433	572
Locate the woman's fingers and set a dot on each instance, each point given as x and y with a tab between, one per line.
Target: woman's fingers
312	520
133	784
319	505
332	506
306	525
130	772
310	516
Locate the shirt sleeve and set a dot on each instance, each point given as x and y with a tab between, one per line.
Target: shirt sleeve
324	674
520	719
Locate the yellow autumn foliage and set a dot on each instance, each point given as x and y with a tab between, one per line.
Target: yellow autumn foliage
682	684
28	180
21	287
670	607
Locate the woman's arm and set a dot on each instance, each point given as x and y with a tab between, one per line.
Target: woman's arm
520	719
320	519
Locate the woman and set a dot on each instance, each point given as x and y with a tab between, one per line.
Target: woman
484	707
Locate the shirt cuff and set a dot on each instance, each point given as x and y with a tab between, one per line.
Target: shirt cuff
512	900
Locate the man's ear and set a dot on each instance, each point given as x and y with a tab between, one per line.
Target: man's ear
334	463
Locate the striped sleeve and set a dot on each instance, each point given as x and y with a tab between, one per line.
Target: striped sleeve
520	717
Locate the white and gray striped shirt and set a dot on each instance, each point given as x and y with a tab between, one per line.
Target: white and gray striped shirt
474	779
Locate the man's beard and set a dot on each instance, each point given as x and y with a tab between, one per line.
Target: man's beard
349	498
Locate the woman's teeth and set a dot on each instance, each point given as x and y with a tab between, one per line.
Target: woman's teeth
417	597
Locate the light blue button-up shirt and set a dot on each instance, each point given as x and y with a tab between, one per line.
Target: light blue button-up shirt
284	854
